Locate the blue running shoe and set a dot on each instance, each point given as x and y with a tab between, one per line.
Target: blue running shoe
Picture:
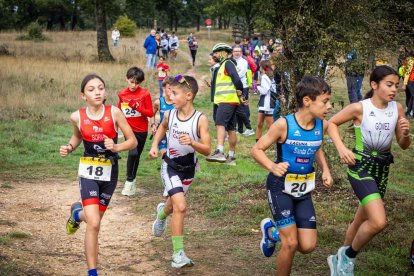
267	245
345	264
71	225
333	263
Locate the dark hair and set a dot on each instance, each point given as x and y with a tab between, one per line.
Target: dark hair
267	67
312	87
190	85
89	77
168	80
136	74
379	73
237	40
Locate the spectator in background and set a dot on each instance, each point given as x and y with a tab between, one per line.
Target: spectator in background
174	44
193	44
409	85
115	37
354	69
150	46
158	40
164	45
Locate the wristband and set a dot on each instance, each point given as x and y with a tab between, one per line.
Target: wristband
73	148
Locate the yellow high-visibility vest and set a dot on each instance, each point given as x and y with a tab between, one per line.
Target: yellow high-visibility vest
225	91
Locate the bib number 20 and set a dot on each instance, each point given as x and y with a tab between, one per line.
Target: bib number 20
298	187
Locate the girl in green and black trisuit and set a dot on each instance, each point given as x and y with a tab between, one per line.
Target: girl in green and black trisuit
376	119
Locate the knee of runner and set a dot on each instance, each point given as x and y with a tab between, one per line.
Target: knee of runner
259	124
308	248
94	224
180	208
290	244
378	224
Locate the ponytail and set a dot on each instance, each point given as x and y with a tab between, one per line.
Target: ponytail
369	94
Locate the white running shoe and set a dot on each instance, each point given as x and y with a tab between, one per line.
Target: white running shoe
333	264
130	188
345	266
181	260
249	132
159	225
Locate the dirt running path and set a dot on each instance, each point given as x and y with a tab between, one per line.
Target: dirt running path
41	210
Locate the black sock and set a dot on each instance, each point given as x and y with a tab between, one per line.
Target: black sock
351	253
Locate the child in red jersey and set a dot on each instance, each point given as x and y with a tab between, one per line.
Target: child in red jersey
136	104
97	126
162	70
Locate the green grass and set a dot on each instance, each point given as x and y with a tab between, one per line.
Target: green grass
231	199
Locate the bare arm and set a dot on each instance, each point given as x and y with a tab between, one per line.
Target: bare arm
162	129
402	131
130	140
76	138
276	133
152	119
204	146
321	160
350	112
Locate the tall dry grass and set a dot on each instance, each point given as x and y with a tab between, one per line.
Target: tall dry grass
42	80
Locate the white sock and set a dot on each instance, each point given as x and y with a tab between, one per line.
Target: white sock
231	153
220	148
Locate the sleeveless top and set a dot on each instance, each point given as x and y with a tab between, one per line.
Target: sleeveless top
93	132
164	107
374	135
300	146
182	154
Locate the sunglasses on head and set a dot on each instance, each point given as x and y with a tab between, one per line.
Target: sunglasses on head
180	79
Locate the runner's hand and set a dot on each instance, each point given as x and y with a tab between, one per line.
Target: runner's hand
153	128
153	153
347	156
109	144
133	104
184	139
327	179
404	125
65	150
279	169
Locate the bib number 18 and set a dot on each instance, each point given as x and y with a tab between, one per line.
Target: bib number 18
96	169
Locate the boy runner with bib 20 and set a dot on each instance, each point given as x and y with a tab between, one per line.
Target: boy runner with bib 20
136	104
97	126
292	177
187	134
376	119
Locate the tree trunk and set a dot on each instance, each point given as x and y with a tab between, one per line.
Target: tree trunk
74	20
198	23
220	23
102	37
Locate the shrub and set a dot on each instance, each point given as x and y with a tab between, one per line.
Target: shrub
35	33
126	26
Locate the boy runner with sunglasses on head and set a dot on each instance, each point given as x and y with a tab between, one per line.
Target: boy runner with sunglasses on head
188	134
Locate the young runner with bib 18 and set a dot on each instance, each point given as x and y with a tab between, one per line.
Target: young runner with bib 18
97	126
376	119
292	177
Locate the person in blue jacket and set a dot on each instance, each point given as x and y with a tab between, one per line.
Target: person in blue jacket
150	46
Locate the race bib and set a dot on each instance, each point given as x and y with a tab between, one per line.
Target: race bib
298	185
95	168
128	111
162	74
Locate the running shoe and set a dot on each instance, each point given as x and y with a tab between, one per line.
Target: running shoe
345	265
333	263
71	225
231	161
159	225
249	132
129	188
267	245
179	259
217	156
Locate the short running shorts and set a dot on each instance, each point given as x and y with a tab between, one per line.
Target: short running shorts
98	192
175	181
286	209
